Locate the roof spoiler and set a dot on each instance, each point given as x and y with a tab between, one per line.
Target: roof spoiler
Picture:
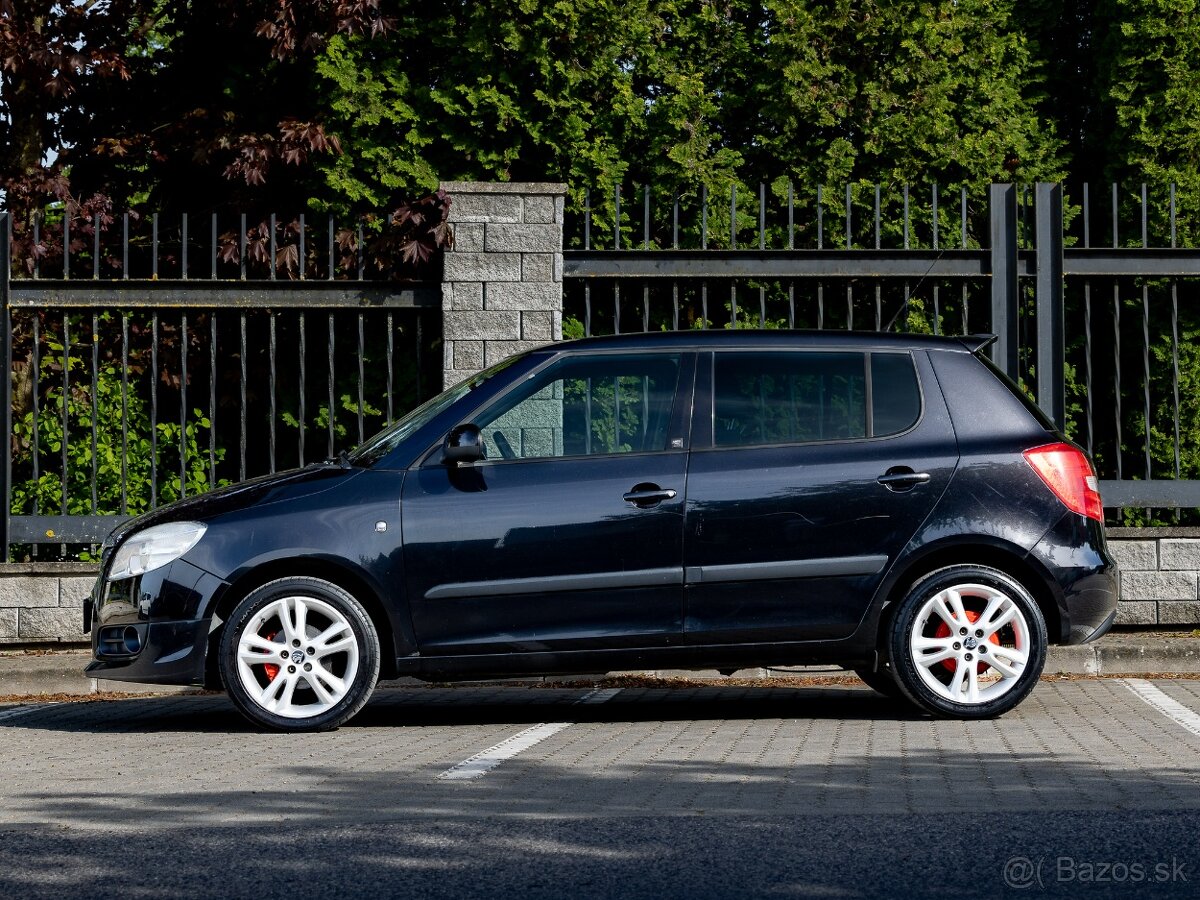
977	343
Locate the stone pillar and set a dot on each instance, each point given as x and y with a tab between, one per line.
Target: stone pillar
502	282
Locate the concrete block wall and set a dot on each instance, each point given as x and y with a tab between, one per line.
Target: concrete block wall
1159	575
502	282
43	602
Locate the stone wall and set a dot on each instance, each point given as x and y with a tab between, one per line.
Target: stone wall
1159	573
43	602
502	282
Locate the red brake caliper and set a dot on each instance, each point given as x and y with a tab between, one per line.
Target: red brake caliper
944	631
272	670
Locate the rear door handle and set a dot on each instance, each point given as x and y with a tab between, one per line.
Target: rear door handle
647	495
902	478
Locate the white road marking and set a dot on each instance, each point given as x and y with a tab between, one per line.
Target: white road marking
19	711
1165	704
483	762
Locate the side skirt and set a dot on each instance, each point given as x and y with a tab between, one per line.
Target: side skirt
586	662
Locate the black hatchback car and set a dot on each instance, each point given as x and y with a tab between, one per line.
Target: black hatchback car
889	503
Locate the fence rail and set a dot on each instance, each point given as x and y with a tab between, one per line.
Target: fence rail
230	295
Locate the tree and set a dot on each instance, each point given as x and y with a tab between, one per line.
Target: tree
907	93
494	89
179	103
49	52
1149	82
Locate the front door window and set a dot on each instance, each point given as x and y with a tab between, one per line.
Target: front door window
586	406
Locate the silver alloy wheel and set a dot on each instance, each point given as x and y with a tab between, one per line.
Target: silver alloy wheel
297	657
962	630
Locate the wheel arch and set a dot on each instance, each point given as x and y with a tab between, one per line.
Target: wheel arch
1008	558
356	583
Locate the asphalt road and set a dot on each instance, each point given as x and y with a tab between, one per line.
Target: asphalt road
1091	788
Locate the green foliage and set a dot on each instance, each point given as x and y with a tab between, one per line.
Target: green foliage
1163	439
1149	85
900	93
320	423
1162	431
572	328
45	492
618	413
684	93
522	90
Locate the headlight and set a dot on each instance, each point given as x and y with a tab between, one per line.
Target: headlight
154	548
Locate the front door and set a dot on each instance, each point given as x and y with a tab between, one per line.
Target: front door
570	534
810	472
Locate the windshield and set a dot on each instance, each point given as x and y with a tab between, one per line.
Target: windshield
376	448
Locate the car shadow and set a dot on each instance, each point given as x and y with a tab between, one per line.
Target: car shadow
484	705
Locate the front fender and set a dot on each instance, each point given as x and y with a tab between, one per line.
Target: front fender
352	530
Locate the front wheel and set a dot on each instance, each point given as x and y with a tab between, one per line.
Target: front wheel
968	642
299	654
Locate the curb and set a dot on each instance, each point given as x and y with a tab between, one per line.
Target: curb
61	672
1122	656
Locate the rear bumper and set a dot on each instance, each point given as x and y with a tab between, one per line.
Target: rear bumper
1082	576
1091	608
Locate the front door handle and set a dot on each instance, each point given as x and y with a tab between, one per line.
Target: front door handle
644	496
902	478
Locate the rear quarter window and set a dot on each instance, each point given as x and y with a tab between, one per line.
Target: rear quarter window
895	393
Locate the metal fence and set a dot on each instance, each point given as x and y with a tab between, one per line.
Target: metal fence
938	260
151	358
145	367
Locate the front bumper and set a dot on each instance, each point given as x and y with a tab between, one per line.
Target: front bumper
169	612
171	653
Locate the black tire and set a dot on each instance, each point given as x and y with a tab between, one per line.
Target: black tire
906	669
362	630
881	681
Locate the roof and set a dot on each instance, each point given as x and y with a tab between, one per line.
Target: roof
775	338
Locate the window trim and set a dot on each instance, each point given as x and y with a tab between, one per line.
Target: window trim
679	420
709	422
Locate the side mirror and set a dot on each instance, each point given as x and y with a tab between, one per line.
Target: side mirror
464	445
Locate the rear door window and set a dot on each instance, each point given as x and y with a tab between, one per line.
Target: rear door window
811	396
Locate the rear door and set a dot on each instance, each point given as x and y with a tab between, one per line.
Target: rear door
809	473
569	535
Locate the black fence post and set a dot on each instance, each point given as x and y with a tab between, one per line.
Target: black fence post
1002	211
5	381
1051	346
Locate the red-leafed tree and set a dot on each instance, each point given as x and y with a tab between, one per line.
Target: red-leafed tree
176	105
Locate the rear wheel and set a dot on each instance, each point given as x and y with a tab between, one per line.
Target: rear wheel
968	642
299	654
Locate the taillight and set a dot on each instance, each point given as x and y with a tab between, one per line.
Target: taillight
1067	473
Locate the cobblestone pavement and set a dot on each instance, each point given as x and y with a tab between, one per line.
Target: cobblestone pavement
1088	789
